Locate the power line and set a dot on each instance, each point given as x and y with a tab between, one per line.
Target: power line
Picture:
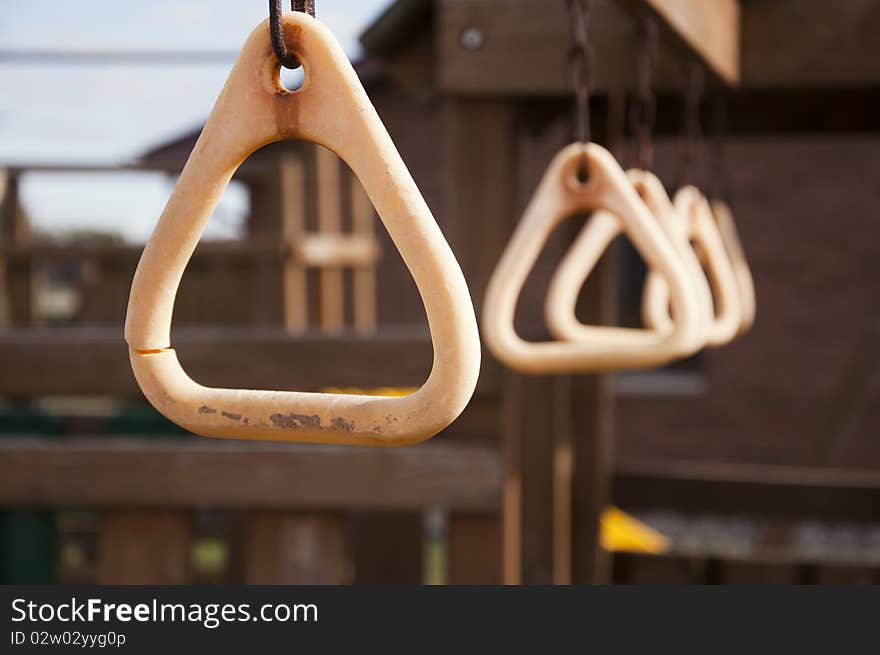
119	57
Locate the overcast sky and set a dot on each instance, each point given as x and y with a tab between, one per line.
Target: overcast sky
78	113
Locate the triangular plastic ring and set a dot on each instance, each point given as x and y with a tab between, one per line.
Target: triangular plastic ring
331	109
733	245
559	195
693	211
582	256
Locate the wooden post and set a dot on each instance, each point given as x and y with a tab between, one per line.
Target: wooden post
330	221
285	548
592	412
293	198
18	276
473	549
144	547
480	209
362	223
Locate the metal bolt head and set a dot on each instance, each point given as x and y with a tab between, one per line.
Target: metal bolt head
472	38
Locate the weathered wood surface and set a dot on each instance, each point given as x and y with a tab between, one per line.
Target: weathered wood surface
161	473
785	43
62	361
748	489
144	547
710	30
525	47
284	548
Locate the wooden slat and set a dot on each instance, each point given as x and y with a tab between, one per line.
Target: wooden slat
740	572
144	547
125	254
63	361
474	549
365	299
811	44
481	169
793	44
387	547
526	43
151	473
480	205
761	490
337	250
512	493
295	298
330	221
710	29
283	548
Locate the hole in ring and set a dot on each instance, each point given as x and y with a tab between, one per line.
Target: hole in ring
292	79
578	175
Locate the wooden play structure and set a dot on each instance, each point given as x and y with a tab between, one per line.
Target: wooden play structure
512	490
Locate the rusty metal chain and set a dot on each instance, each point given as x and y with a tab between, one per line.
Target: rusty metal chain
691	126
580	67
277	33
643	111
719	164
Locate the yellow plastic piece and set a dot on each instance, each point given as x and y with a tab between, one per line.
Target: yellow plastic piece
622	532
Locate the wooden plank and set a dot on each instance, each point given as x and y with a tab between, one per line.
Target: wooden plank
640	569
363	223
63	361
763	490
480	205
124	254
711	30
523	48
535	402
811	44
512	493
293	198
481	169
592	410
784	43
330	221
474	549
387	547
151	473
283	548
144	547
333	250
740	572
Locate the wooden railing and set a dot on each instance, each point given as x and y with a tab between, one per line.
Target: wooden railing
313	514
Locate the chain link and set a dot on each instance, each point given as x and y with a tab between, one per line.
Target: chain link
719	164
277	33
643	112
580	67
691	125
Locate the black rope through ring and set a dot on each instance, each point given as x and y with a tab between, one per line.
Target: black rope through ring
277	33
580	68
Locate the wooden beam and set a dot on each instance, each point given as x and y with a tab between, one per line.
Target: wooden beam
283	548
749	489
331	279
293	219
123	473
520	47
363	223
710	30
63	361
144	547
495	47
481	207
